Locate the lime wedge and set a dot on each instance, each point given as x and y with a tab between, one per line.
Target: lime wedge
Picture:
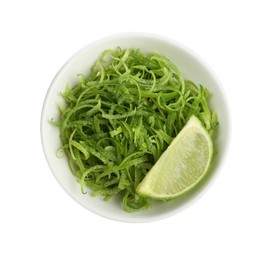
184	163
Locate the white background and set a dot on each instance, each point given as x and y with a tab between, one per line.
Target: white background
38	220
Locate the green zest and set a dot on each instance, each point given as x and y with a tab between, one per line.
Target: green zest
117	122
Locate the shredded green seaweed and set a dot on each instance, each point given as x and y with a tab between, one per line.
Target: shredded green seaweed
117	121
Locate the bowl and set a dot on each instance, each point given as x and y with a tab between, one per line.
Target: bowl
191	66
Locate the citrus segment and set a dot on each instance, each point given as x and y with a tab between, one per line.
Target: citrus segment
181	166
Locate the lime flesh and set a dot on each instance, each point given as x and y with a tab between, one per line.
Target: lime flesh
181	166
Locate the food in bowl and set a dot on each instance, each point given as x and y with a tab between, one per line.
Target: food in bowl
118	122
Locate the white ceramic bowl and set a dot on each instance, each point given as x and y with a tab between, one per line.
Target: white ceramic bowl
190	65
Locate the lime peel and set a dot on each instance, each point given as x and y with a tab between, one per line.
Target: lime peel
116	122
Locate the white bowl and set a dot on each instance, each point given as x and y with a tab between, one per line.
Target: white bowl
191	66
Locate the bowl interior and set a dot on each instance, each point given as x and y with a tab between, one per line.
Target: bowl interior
191	66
